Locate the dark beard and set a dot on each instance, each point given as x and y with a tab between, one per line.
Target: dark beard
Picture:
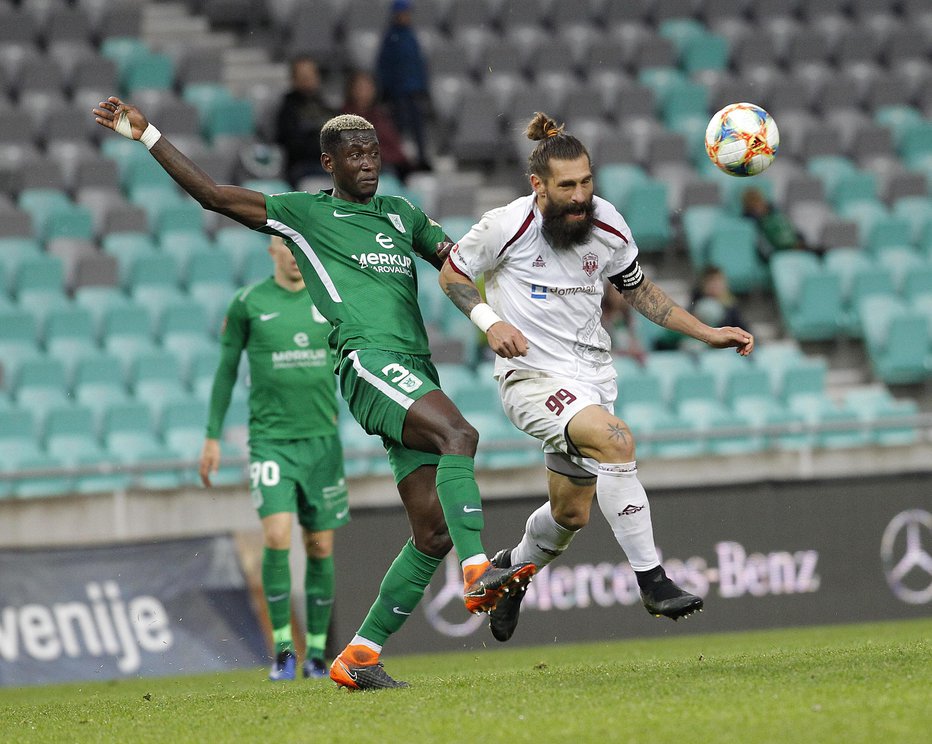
563	235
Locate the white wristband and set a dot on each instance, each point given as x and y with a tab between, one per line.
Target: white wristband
483	317
150	136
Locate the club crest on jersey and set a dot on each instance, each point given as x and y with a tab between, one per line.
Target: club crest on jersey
590	263
538	263
396	221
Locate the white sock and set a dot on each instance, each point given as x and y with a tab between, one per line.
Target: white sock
543	539
624	503
358	640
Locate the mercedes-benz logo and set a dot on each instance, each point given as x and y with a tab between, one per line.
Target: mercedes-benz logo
906	563
452	592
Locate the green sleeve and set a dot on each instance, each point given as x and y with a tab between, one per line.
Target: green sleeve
233	340
427	234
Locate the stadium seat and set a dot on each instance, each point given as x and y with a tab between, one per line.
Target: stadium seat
147	71
156	379
642	387
105	477
128	432
698	225
183	244
41	384
69	434
817	313
804	380
70	336
239	243
734	250
667	366
39	485
182	424
98	381
891	421
18	342
232	117
17	437
13	251
127	333
648	216
896	338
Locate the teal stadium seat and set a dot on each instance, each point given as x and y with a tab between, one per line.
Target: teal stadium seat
128	432
804	381
809	297
70	336
156	380
17	437
149	71
40	286
98	382
901	261
97	300
182	425
123	49
616	181
256	268
897	340
917	210
238	243
106	479
734	250
183	329
233	117
749	382
698	226
917	282
648	215
667	366
891	421
201	371
18	342
12	252
69	434
42	485
126	247
184	243
127	333
41	385
456	227
642	387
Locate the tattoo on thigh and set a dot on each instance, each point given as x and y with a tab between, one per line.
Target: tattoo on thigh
617	431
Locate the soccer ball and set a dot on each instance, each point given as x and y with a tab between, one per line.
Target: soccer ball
742	139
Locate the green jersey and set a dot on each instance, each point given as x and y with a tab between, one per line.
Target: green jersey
292	391
358	264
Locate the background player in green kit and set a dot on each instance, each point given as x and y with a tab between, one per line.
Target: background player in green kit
296	461
356	252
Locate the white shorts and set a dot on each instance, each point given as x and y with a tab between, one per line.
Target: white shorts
542	406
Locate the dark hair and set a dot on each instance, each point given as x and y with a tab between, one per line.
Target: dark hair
552	142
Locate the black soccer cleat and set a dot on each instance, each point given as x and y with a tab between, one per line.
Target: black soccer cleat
495	584
504	618
663	598
369	677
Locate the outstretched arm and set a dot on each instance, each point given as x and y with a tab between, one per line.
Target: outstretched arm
504	339
655	305
242	205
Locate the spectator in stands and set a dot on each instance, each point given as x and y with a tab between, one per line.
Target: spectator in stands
402	77
774	226
302	114
296	460
713	303
361	99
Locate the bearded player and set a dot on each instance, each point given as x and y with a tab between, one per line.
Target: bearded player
356	251
545	258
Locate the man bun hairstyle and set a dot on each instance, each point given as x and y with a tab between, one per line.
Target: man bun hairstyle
552	142
330	132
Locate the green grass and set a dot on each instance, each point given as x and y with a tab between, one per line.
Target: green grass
856	683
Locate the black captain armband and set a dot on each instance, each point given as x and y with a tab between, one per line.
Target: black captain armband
630	278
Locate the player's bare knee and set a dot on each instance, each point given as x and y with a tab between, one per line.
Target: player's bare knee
571	518
434	541
278	539
618	446
459	438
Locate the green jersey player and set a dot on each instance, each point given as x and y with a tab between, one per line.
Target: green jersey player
296	461
356	251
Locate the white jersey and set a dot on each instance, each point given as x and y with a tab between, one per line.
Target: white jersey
554	297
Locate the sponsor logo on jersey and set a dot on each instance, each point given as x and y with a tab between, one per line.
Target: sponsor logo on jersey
590	263
538	263
299	358
385	263
396	221
301	339
538	292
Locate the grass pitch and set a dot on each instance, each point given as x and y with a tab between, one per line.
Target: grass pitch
856	683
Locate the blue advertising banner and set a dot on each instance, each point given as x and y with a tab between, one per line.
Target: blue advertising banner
128	610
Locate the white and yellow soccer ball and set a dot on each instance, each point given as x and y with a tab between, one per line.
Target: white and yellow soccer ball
742	139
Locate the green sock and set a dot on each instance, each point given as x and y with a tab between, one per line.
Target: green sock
401	590
462	506
318	588
276	583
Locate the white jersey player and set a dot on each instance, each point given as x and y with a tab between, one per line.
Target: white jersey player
545	258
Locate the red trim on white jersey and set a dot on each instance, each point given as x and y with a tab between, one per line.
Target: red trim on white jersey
609	229
521	230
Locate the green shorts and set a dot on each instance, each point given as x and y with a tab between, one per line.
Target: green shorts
379	387
303	476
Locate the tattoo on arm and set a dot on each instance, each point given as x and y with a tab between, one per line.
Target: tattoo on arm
464	296
651	302
616	431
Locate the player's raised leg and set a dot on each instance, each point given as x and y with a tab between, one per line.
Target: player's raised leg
601	435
